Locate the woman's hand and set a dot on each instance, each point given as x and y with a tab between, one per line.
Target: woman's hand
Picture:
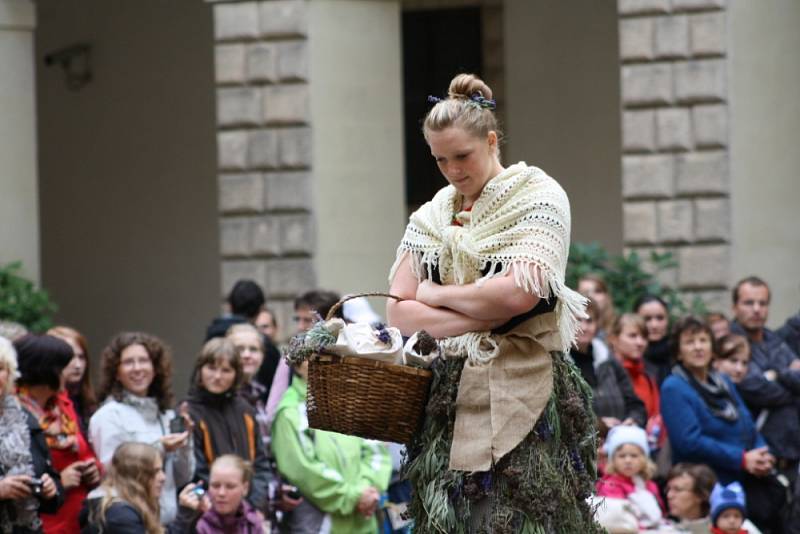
49	489
15	487
71	475
428	293
496	298
368	502
286	503
183	411
172	442
91	473
188	498
410	315
758	462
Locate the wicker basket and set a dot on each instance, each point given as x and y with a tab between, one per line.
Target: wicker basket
366	398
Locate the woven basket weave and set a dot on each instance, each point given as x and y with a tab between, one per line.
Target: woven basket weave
366	398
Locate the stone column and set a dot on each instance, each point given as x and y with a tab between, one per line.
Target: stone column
19	190
264	147
675	177
309	112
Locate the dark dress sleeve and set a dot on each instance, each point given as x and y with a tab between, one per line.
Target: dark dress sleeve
43	464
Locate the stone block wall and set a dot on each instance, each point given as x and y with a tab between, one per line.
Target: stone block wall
675	161
264	148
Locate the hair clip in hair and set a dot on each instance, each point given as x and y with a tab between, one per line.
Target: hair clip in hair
483	103
434	99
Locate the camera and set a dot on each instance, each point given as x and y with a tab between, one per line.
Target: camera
177	425
35	485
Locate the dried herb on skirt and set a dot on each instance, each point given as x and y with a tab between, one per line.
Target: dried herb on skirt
540	487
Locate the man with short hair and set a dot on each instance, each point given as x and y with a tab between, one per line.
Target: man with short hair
311	304
244	302
771	388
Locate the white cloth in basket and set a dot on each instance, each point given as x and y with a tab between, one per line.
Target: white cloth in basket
361	340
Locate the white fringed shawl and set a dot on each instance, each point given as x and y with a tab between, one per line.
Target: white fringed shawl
521	221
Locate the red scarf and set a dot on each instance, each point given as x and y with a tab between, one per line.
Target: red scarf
60	430
643	385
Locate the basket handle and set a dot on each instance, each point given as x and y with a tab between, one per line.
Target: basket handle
335	307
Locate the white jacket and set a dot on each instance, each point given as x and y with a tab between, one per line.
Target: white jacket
116	422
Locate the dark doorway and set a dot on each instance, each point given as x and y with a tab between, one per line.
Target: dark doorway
437	44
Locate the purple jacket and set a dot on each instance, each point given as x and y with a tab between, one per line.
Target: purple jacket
244	521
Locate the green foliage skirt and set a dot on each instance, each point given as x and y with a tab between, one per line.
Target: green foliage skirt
540	487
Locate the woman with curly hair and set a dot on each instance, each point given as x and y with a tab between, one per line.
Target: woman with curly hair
136	373
77	375
132	490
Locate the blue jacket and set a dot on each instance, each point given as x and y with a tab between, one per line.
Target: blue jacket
698	436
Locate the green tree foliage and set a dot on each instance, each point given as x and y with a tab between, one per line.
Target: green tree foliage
627	277
22	302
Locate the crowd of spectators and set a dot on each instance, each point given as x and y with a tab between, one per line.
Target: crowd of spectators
234	454
722	414
699	421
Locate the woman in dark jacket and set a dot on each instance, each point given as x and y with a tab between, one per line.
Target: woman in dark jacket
42	360
28	483
613	398
224	423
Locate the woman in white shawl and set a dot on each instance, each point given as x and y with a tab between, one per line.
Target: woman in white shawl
508	439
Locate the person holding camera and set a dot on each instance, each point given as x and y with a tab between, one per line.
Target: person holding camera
229	484
136	386
224	422
42	360
131	493
28	483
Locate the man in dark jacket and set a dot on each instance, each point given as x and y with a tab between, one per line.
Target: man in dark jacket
790	332
771	388
245	301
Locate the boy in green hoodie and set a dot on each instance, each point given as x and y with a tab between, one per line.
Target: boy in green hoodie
341	476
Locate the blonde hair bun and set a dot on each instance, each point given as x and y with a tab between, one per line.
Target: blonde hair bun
465	85
468	105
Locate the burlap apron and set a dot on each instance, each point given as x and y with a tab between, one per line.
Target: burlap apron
499	403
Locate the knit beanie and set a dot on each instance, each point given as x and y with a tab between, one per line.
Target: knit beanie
626	434
727	497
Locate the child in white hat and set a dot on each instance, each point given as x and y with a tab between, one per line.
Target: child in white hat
629	472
